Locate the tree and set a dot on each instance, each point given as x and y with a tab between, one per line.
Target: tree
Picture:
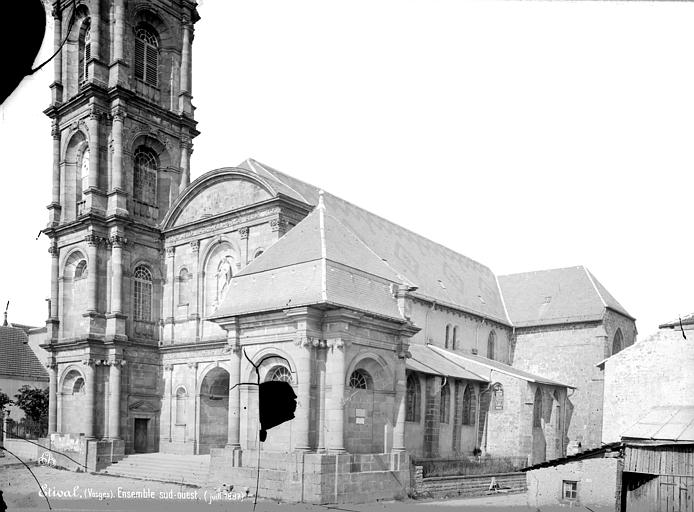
4	401
33	401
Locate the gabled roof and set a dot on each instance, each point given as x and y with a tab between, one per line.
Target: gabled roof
664	423
426	360
17	360
437	272
556	296
483	367
319	261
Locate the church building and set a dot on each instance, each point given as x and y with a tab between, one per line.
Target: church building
167	295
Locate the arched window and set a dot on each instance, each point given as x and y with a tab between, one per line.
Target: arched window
537	409
280	373
445	409
85	50
181	406
455	337
618	342
413	398
82	182
81	270
145	180
184	279
143	293
78	386
258	253
468	415
146	55
448	335
359	380
491	341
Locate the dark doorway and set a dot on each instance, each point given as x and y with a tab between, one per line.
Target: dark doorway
140	435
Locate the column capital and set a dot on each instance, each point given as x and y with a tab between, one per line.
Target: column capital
55	129
94	113
243	233
306	341
88	362
94	240
193	366
340	343
232	349
170	251
53	249
168	367
195	246
51	365
118	113
117	241
278	224
117	363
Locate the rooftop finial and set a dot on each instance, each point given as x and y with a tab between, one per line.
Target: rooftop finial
321	204
6	308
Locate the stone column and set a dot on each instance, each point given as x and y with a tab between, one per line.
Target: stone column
117	243
95	30
92	272
117	162
55	271
234	437
90	389
185	146
119	30
56	87
321	360
194	308
172	401
93	127
186	51
302	414
335	406
400	397
169	299
52	397
55	207
114	380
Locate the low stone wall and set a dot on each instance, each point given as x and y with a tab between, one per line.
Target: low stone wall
23	449
449	486
314	477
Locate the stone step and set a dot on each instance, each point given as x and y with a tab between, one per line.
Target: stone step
190	470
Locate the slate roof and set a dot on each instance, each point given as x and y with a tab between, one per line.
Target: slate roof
556	296
587	454
16	357
687	322
664	423
483	367
426	360
397	254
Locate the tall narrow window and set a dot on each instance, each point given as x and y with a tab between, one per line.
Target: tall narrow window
143	293
491	341
468	416
455	337
413	398
537	409
618	342
146	55
145	181
85	50
448	335
444	411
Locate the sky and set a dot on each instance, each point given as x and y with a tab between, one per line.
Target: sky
524	135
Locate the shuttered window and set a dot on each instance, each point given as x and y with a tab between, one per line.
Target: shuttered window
146	56
85	51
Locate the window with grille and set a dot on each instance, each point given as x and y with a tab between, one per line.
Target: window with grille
145	181
413	398
359	380
569	490
85	50
468	413
280	373
537	409
445	409
143	293
490	345
146	55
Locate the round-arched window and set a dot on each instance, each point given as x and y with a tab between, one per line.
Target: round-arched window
146	55
145	179
78	386
280	373
81	270
143	293
359	380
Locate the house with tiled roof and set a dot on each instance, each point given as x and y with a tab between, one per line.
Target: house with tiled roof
19	365
566	322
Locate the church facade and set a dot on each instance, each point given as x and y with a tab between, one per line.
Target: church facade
167	295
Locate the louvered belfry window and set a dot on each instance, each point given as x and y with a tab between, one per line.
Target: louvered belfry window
85	51
146	56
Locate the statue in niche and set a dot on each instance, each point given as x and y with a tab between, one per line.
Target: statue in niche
224	273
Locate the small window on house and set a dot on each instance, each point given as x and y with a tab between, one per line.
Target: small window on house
455	337
413	398
359	380
448	336
617	342
145	179
468	413
146	55
78	386
537	409
569	490
143	293
445	409
280	373
81	270
491	342
258	253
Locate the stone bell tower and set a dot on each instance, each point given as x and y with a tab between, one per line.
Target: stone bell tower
122	126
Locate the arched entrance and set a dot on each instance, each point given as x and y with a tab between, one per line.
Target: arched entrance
73	402
214	410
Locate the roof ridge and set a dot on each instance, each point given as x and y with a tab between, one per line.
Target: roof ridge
540	270
590	278
503	301
251	162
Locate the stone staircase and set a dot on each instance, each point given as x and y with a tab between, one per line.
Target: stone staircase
189	470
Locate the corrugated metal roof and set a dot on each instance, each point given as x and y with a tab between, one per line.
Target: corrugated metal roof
425	360
484	366
556	296
16	357
664	423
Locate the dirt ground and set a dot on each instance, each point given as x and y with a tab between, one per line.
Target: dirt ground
68	491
